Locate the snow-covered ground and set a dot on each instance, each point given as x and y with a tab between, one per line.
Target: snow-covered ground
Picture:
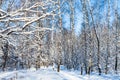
50	74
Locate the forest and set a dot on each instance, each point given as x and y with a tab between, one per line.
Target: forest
80	35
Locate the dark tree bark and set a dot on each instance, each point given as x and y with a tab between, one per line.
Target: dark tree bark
5	56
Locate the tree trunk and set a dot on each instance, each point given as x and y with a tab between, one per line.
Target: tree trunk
58	68
98	41
5	62
5	56
81	70
116	63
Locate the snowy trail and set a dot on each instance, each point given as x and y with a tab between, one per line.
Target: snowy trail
69	76
42	74
7	75
49	74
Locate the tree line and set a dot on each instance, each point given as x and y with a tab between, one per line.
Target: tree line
32	33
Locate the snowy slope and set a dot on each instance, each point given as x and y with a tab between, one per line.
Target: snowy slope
50	74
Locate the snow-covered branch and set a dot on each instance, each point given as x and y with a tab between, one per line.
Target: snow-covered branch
18	15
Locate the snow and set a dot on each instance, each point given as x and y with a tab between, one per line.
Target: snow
50	74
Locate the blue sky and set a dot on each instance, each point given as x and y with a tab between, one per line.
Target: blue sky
77	16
